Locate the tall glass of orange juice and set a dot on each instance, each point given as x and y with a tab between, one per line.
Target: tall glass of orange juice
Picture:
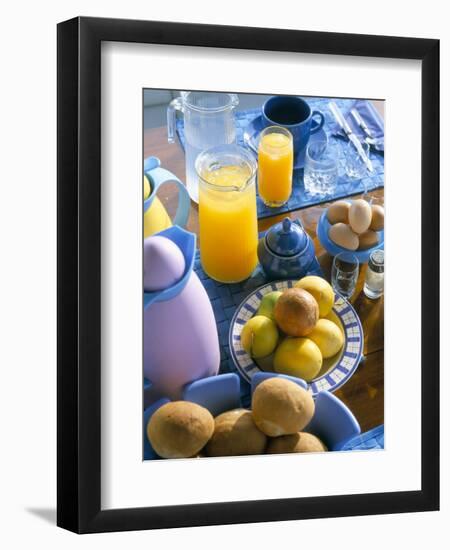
227	213
275	165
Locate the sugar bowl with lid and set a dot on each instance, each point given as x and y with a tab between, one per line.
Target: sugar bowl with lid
287	251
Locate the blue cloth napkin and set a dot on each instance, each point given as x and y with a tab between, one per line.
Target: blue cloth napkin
370	116
367	441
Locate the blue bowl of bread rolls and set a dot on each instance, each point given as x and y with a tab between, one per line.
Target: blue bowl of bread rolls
209	420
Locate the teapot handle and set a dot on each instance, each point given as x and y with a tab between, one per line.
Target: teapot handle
298	221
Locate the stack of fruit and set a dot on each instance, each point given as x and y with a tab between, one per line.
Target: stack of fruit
281	409
295	330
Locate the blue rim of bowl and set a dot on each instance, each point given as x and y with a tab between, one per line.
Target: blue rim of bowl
333	249
334	378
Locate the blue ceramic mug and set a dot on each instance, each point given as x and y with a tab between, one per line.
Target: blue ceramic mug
293	113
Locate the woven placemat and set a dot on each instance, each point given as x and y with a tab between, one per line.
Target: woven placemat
300	198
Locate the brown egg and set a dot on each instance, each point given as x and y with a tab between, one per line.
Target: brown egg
342	235
368	239
360	216
377	223
338	212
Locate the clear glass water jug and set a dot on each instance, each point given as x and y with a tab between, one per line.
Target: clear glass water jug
208	121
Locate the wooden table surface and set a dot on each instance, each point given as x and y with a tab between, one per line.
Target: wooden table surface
364	392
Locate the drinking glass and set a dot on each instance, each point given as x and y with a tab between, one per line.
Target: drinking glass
275	165
354	164
321	168
344	274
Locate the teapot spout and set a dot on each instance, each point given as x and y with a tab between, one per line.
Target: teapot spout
186	242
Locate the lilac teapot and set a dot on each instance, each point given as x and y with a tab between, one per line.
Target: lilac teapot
180	335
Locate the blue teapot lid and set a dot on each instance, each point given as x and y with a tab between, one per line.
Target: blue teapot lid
287	238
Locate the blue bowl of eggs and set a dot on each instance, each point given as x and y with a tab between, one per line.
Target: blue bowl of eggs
352	228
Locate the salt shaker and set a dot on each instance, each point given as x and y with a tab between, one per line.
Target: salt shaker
374	283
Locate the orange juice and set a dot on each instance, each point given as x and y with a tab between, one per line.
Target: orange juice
228	221
275	165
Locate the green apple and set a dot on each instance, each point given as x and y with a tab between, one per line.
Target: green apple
259	336
267	304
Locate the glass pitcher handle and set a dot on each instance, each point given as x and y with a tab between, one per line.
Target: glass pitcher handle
234	100
174	106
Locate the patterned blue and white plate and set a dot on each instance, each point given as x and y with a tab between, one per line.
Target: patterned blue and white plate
335	370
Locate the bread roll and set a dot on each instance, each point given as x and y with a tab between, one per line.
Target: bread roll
235	433
180	429
281	407
301	442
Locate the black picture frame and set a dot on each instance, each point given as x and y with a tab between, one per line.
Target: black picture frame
79	275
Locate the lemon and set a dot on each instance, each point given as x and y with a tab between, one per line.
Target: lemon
328	337
298	357
259	336
321	290
332	316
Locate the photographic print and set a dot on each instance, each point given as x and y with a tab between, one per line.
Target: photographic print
263	272
221	291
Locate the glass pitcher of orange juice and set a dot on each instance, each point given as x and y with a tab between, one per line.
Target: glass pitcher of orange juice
227	213
275	165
